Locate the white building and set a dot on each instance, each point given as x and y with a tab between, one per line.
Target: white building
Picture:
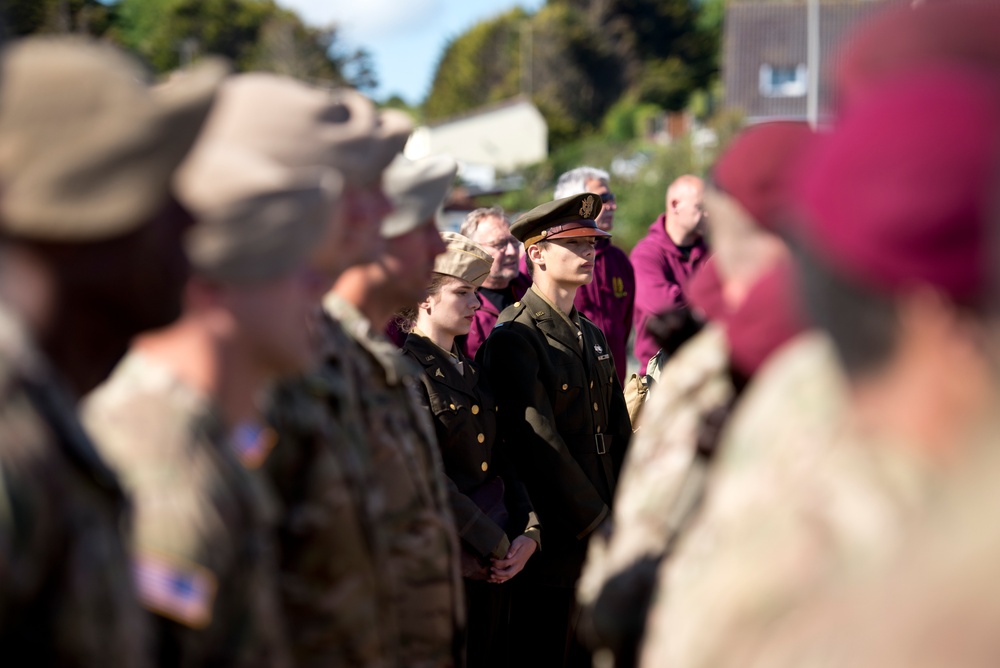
497	138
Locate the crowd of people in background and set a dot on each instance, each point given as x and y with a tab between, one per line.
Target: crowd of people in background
257	408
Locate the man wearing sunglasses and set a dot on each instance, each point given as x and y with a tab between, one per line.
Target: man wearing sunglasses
609	299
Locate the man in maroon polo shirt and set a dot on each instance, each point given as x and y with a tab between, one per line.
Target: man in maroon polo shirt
666	258
609	299
506	283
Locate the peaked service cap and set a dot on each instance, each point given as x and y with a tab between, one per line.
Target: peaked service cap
567	217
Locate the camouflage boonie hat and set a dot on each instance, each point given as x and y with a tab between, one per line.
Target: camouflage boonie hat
567	217
464	259
87	148
299	125
257	219
417	190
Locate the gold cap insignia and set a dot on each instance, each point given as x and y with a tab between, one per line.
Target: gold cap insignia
587	208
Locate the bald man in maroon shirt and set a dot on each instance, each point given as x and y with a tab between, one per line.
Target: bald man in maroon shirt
665	259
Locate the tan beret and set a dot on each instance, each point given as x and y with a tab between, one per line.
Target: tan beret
87	149
300	125
257	219
464	259
417	190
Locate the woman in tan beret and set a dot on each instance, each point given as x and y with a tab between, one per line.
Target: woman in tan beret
493	515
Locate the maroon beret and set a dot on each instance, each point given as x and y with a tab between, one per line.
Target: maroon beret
755	167
899	193
902	39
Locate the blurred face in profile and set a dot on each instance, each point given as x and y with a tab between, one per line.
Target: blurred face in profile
272	323
132	283
606	220
353	237
407	264
687	208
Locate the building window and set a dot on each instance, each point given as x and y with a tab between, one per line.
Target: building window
783	80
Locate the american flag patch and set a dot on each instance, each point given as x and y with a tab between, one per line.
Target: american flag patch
183	592
253	443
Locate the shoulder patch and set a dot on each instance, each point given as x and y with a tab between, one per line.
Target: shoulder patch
252	443
175	589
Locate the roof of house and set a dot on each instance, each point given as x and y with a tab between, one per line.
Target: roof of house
775	34
482	111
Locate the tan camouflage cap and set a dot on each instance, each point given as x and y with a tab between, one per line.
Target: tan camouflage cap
299	125
87	148
417	190
464	259
257	219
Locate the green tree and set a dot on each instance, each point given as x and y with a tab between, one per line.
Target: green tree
252	34
479	67
25	17
584	56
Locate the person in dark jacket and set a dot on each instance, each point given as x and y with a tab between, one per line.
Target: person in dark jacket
665	259
609	299
497	527
563	417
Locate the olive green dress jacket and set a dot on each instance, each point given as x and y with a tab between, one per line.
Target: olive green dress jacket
465	418
563	418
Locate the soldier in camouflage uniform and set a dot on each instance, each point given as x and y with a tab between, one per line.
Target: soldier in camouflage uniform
408	498
91	254
179	418
333	590
898	279
563	417
668	466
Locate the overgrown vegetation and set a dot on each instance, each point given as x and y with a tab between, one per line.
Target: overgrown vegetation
578	59
253	34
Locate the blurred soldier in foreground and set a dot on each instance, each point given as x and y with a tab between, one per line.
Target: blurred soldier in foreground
334	591
667	468
408	488
180	417
563	417
609	299
666	258
897	275
90	255
505	284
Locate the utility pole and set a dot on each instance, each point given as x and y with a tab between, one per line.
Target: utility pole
526	54
812	61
